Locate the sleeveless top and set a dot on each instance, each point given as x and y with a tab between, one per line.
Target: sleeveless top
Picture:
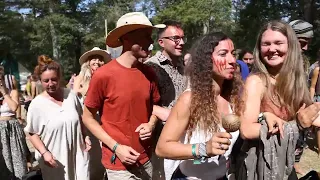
214	167
268	105
5	110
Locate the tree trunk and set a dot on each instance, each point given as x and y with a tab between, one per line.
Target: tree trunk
307	10
54	37
206	27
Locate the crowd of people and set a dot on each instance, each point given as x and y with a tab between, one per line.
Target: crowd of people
200	114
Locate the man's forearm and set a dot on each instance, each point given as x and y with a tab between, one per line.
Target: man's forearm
161	113
95	128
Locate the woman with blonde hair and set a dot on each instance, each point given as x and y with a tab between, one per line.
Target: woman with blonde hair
277	90
90	61
193	132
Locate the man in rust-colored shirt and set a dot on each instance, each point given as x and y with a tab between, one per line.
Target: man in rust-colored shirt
125	91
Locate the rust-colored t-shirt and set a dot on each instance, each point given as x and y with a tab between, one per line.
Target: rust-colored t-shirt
125	97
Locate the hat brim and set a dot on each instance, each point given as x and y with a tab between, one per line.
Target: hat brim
84	58
113	37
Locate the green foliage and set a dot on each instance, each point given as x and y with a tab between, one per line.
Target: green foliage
79	25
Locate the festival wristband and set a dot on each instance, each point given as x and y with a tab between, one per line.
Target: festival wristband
113	158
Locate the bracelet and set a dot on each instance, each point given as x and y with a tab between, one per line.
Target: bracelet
194	154
44	152
113	158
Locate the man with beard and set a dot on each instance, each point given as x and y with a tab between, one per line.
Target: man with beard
304	32
125	91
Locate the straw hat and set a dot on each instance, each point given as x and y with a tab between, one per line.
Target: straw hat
127	23
95	51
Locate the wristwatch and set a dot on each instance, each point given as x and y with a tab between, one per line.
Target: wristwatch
203	150
261	117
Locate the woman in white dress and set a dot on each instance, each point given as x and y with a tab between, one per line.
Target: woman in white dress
54	125
193	132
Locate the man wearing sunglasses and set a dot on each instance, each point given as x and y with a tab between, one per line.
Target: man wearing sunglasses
169	67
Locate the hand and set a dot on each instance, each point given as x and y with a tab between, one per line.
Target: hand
218	144
145	131
275	124
126	154
87	143
49	160
306	116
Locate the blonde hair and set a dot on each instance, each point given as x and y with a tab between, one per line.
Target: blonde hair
85	74
291	83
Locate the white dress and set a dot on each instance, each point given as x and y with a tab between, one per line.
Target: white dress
59	128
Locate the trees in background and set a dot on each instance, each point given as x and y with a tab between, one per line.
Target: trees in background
64	29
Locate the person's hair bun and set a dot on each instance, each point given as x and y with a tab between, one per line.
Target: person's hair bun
44	60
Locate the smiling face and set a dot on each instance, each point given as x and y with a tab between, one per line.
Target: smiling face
224	60
274	48
95	62
172	41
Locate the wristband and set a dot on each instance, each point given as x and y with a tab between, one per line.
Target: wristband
113	158
194	154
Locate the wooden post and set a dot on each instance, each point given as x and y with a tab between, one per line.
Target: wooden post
106	32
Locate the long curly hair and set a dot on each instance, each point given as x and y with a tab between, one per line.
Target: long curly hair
291	83
204	111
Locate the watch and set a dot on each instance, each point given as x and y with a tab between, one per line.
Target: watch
203	150
261	117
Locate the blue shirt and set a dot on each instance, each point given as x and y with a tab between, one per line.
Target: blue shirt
244	69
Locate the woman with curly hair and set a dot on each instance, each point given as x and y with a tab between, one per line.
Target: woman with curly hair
278	91
193	132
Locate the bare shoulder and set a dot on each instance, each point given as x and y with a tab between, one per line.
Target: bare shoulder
254	79
185	98
255	85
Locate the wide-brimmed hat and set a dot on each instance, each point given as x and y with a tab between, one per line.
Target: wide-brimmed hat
302	28
127	23
95	51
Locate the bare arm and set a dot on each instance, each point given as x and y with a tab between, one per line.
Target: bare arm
37	143
77	84
314	80
12	100
161	112
168	144
33	89
92	124
250	128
